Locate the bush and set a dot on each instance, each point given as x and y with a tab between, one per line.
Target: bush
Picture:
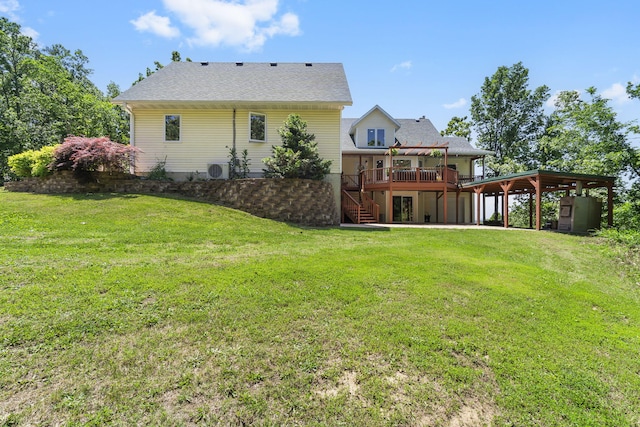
82	154
32	163
159	171
42	160
21	164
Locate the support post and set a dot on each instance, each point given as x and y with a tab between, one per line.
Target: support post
610	204
506	187
478	191
530	210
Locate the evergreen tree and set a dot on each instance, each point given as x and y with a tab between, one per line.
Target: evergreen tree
298	156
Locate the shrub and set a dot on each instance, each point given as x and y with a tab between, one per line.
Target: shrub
21	164
32	163
159	172
42	160
238	168
82	154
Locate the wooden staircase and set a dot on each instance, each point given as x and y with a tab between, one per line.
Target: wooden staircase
366	217
359	208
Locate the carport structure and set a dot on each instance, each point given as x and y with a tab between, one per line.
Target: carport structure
534	183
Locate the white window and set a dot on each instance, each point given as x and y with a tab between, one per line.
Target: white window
172	128
375	137
257	127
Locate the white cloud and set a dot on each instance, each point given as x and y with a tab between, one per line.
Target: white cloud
458	104
551	102
247	24
158	25
406	65
8	8
617	93
30	32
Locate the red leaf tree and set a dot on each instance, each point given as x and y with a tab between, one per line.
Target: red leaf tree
83	154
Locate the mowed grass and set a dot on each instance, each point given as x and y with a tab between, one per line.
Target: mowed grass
139	310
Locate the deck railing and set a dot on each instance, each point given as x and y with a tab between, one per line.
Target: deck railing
407	175
351	181
463	179
413	175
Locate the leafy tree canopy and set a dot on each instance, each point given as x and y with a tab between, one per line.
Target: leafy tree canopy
458	126
508	118
46	94
586	137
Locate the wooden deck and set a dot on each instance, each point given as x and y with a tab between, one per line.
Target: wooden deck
407	179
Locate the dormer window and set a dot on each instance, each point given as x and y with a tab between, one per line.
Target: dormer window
375	138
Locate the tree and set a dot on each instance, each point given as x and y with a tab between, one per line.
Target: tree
458	126
298	156
586	137
15	49
46	95
508	118
82	154
633	90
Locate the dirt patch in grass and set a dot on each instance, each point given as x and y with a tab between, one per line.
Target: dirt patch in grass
348	383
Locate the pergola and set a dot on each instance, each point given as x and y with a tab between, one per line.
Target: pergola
535	183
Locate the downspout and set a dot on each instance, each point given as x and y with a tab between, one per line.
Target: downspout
234	130
132	139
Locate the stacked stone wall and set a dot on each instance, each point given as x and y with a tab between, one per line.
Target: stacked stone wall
299	201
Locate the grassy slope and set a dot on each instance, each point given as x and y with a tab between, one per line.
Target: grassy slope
141	310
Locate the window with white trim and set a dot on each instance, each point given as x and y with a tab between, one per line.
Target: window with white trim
172	128
257	127
375	137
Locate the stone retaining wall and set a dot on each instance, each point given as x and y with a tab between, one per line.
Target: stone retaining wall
305	202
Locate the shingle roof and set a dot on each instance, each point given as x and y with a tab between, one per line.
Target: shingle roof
247	83
412	132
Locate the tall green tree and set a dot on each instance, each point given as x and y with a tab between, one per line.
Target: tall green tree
46	95
15	49
508	118
458	126
298	156
585	136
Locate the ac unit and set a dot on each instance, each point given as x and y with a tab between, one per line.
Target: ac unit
218	170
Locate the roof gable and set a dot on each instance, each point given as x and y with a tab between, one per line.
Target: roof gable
410	132
222	82
376	108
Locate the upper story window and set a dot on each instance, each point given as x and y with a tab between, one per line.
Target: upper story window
172	128
258	127
375	137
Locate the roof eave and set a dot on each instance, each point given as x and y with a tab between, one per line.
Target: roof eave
221	104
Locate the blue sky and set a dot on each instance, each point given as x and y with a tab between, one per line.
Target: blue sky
413	58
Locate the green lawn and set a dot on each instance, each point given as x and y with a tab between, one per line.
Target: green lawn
139	310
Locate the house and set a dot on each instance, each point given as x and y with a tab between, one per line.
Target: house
403	170
190	114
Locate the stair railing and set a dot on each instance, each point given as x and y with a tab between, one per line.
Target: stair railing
350	207
370	206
